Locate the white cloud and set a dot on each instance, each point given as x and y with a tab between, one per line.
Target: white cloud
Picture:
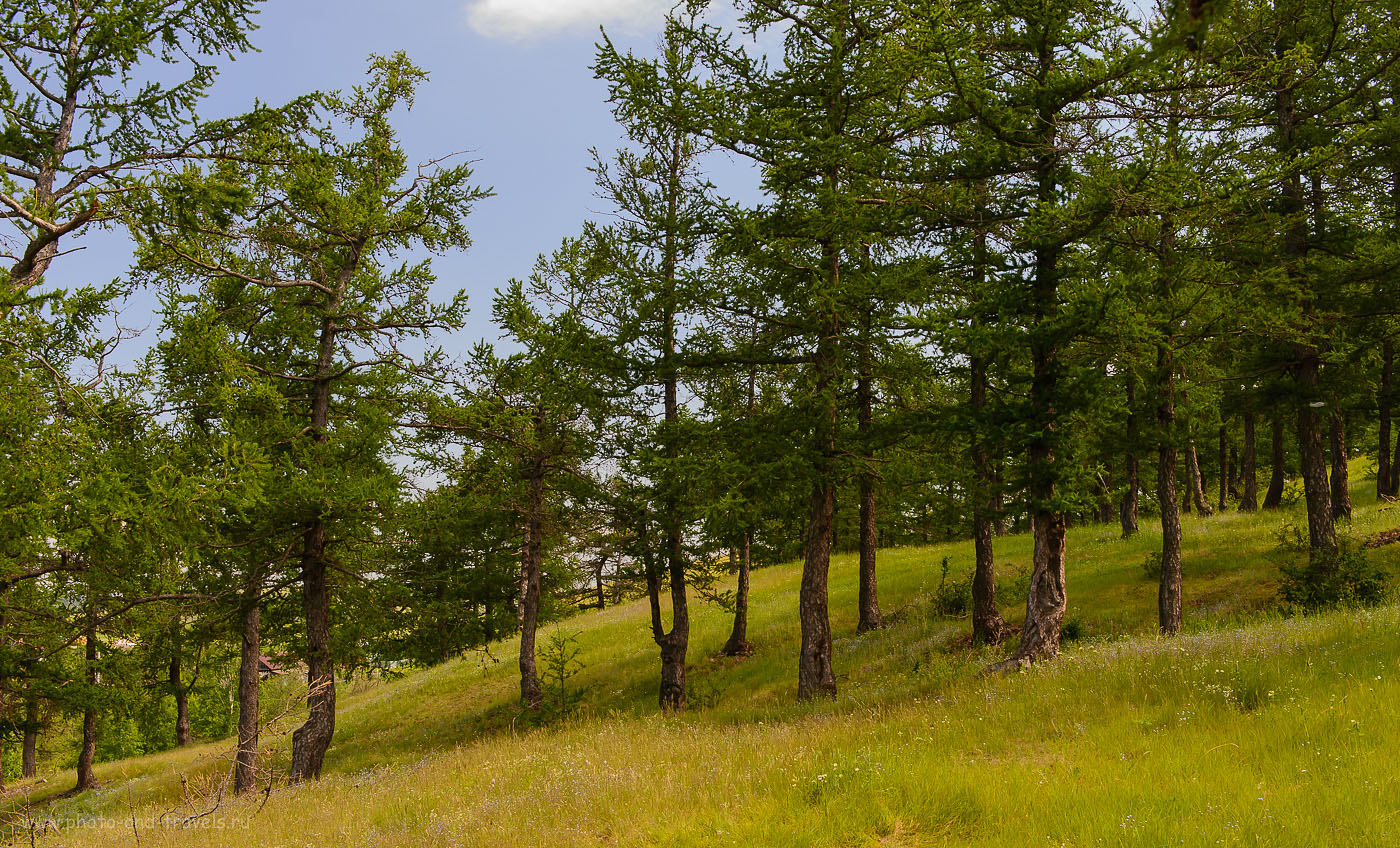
518	20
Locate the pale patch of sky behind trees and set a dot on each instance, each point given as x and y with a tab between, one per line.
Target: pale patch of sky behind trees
510	89
527	19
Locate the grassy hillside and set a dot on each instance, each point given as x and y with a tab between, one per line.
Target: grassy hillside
1249	729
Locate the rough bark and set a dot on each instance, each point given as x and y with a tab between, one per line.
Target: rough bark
1169	590
1128	506
988	628
1306	370
245	764
88	749
815	677
1385	485
1249	498
738	644
29	756
313	738
1273	498
182	698
1341	478
1322	535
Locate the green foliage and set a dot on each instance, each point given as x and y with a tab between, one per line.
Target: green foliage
953	598
1152	565
560	662
1312	581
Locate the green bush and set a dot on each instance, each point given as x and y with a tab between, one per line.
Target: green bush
1152	565
952	598
559	657
1341	577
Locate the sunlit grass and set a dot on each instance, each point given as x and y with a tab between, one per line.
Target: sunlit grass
1248	729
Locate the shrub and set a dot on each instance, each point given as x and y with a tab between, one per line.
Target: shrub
952	598
1152	565
559	658
1341	577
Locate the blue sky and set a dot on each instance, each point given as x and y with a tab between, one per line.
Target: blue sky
509	86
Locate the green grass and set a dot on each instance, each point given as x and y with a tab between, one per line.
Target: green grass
1249	729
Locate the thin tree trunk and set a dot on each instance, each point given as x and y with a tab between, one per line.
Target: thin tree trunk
988	628
1106	508
88	750
182	701
29	758
245	765
869	601
1197	481
1128	507
999	523
1234	490
1385	486
738	644
531	555
1249	500
815	677
1169	590
1273	498
1224	470
1341	478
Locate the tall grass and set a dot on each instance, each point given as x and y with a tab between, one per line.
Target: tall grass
1248	729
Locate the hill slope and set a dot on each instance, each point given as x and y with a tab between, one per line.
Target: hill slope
1248	729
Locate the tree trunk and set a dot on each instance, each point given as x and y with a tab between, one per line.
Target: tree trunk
88	750
1234	489
870	618
29	758
1197	481
1128	507
1322	535
999	523
1249	500
674	645
1224	470
1341	478
1106	508
988	628
738	644
531	556
1169	590
1385	486
1273	498
182	698
815	677
313	738
245	763
1047	599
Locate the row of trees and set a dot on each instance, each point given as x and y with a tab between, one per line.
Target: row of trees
1002	258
